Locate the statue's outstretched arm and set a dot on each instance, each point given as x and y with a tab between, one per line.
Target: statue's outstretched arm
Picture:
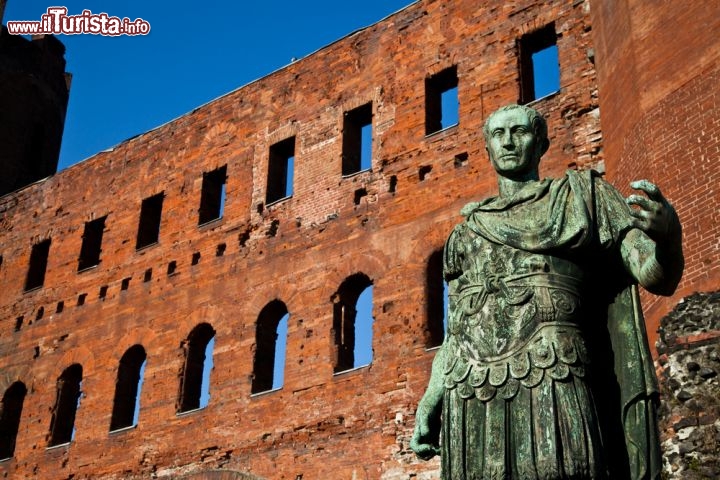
426	437
652	250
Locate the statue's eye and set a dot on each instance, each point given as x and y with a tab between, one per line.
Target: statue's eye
497	132
520	130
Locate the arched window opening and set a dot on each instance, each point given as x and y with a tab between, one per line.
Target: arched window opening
352	322
62	425
207	368
10	411
270	341
436	293
195	384
126	406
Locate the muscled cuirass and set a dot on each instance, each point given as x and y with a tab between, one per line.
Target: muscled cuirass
515	318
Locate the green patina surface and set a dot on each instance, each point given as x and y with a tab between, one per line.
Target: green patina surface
545	371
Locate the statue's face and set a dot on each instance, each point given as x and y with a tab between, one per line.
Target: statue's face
512	145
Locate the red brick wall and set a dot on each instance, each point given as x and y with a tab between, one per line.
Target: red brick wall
319	425
658	76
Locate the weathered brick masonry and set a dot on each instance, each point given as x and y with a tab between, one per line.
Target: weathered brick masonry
385	223
658	74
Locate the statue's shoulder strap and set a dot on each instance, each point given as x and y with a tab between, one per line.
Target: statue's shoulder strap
453	251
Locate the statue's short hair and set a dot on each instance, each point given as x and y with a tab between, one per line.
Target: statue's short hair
539	125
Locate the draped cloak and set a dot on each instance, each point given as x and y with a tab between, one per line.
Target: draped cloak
596	424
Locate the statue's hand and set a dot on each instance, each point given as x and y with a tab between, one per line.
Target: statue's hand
424	441
656	217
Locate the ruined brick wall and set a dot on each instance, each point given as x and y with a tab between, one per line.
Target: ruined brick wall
689	349
301	249
658	73
385	222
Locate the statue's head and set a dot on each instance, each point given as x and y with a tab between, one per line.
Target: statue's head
515	139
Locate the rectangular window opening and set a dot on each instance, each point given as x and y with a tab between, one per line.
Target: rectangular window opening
461	159
357	140
281	167
392	188
273	228
441	100
38	265
212	196
539	64
244	237
149	225
91	244
360	193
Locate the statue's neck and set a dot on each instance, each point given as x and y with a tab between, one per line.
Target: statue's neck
510	186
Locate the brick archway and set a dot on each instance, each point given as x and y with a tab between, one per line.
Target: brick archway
220	475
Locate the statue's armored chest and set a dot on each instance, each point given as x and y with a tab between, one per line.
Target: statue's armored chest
503	295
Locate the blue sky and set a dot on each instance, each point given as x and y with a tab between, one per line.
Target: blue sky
195	52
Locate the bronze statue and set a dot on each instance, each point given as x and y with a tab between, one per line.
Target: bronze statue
545	372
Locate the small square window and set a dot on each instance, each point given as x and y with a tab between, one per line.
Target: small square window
91	244
539	65
212	197
280	170
149	224
441	100
357	140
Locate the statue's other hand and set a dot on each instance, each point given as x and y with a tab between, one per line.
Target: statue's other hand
424	441
655	216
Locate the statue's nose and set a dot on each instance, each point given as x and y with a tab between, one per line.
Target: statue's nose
507	141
